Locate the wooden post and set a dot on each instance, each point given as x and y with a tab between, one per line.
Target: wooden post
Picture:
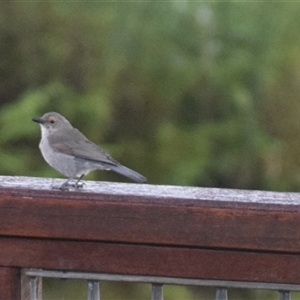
10	283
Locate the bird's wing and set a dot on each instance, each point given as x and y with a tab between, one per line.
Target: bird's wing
74	143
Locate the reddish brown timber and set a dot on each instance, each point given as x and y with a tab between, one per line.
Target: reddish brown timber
152	215
150	260
10	283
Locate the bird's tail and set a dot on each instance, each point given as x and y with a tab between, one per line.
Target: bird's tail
128	173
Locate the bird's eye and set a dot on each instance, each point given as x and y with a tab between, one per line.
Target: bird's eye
52	121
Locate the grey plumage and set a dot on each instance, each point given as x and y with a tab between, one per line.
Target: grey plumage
68	151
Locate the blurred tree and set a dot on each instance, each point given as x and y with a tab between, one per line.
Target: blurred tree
177	91
186	93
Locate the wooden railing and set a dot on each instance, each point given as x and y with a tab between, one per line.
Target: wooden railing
171	232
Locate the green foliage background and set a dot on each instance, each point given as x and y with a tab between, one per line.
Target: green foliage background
186	93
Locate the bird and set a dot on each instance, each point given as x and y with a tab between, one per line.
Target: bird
69	151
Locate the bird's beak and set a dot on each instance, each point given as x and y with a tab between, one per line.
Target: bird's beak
38	120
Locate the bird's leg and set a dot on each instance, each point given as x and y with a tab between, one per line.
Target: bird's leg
65	185
79	184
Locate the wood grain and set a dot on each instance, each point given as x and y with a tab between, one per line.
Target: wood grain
150	260
139	229
155	217
9	284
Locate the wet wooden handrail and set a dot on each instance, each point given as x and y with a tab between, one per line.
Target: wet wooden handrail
140	229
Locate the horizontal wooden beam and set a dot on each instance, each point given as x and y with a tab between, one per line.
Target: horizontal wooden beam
134	229
150	260
153	215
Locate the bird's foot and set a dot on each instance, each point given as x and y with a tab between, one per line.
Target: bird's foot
63	187
78	185
69	185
